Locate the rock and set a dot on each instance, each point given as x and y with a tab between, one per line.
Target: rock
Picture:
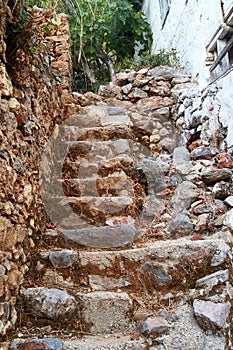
201	152
153	326
51	303
14	105
180	155
101	237
116	111
158	273
63	258
229	201
185	193
150	104
181	224
216	206
106	312
202	222
178	88
222	189
154	207
123	77
181	80
210	177
137	93
127	88
228	219
211	316
223	160
118	220
163	112
221	255
37	344
106	283
212	280
5	82
154	138
163	73
121	119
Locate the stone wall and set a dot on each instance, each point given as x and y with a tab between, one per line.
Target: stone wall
34	89
207	112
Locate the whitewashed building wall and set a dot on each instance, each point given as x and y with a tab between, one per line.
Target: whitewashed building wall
199	30
188	28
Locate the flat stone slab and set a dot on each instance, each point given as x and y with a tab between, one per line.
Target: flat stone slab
176	251
106	312
103	204
120	119
100	237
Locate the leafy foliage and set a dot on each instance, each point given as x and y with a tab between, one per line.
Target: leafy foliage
104	34
162	58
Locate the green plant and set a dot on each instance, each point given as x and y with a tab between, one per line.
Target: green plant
22	34
162	58
104	33
19	33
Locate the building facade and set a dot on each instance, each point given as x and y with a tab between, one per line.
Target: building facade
201	32
198	29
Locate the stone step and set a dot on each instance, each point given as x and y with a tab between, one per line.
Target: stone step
94	116
91	313
117	183
160	267
163	265
175	329
103	151
103	204
94	208
76	133
100	237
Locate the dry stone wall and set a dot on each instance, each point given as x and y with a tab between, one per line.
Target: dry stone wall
33	99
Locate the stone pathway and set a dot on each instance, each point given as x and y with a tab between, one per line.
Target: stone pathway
137	254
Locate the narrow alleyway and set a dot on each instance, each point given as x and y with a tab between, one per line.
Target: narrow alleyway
137	254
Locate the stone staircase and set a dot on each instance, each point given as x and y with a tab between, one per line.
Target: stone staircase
130	260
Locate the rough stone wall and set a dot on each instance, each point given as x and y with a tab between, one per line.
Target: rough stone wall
207	112
34	93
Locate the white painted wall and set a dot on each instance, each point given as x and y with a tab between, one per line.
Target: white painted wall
225	97
226	5
188	28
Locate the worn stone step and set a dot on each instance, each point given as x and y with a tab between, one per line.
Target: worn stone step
94	208
76	133
100	237
101	115
91	313
103	151
159	268
103	204
164	265
117	183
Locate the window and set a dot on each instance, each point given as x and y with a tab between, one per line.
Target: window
164	9
221	47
